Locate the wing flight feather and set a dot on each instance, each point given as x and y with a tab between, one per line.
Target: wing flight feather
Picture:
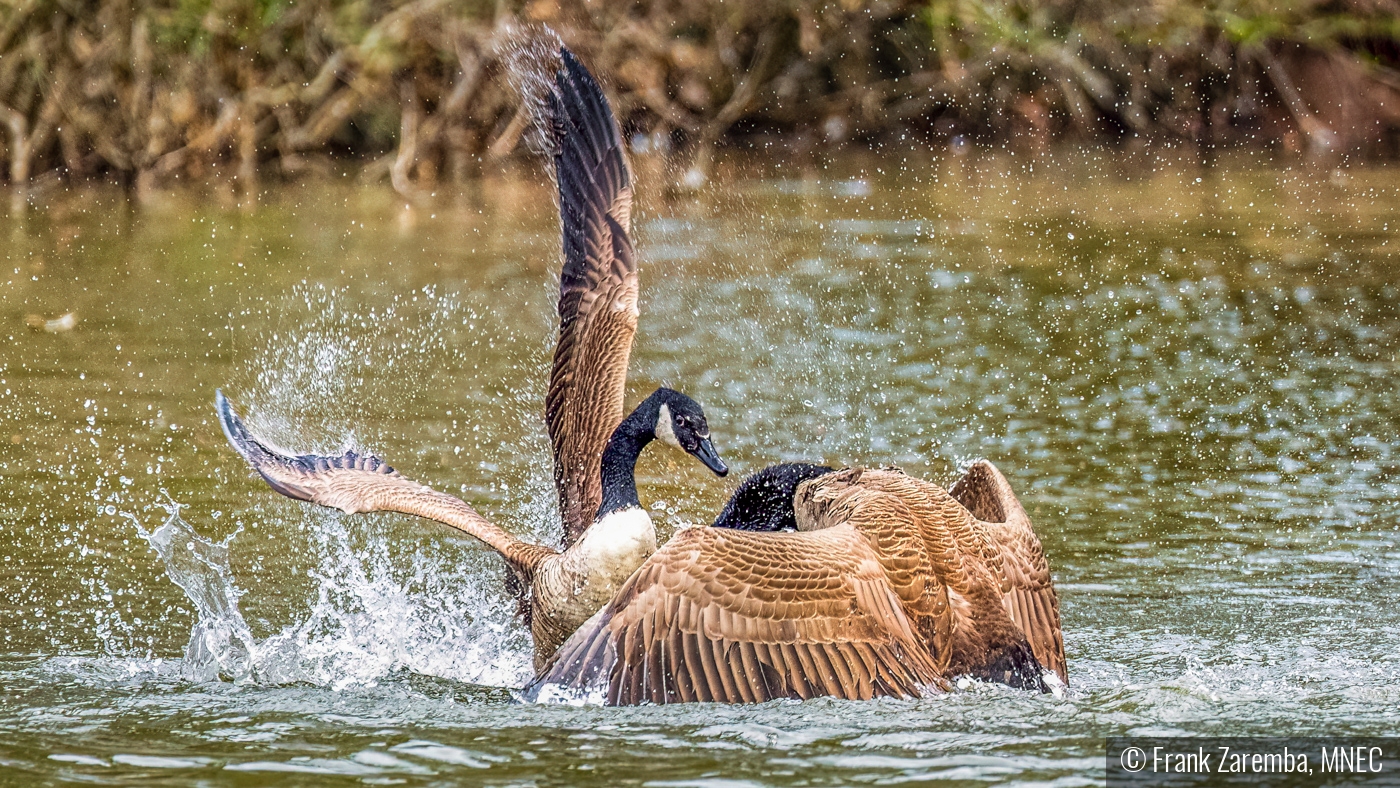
733	613
1028	589
597	290
354	483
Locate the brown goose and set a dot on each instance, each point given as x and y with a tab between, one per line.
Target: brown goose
890	586
607	534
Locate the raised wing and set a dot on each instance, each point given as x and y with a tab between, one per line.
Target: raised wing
1028	591
355	483
739	617
597	290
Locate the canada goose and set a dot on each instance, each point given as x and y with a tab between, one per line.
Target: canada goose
607	534
597	289
766	501
890	586
559	589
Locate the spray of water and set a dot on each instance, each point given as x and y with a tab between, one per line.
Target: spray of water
220	645
364	624
383	597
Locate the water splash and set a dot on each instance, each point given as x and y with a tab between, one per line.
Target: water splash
221	645
377	612
596	694
381	602
366	623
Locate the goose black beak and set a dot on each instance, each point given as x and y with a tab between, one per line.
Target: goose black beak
706	453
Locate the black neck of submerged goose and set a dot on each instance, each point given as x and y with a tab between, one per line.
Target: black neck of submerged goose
620	457
763	501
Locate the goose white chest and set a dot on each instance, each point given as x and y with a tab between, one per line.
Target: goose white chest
589	575
617	544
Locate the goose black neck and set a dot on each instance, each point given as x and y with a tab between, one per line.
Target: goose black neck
620	457
764	500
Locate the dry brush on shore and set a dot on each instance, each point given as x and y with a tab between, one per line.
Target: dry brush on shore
154	91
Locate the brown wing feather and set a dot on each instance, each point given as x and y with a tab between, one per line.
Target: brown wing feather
742	598
356	483
1029	589
890	510
986	605
1029	592
597	291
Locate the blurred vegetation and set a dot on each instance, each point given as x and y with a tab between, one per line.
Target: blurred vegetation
151	91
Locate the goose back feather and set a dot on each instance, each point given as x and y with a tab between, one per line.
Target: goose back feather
990	569
889	587
721	615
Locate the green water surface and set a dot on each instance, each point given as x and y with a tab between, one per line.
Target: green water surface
1187	371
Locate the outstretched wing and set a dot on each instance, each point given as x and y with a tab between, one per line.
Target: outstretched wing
597	292
1028	591
739	617
355	483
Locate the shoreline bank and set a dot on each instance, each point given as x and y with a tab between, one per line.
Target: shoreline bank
149	93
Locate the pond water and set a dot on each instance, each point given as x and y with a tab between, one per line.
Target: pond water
1187	371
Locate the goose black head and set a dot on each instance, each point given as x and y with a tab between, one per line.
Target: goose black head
764	500
680	421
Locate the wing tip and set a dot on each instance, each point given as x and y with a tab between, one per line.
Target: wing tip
586	138
260	457
573	74
571	62
985	492
274	465
244	442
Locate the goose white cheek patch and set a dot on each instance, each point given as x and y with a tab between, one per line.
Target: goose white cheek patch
663	427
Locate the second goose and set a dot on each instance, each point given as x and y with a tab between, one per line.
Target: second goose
890	586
